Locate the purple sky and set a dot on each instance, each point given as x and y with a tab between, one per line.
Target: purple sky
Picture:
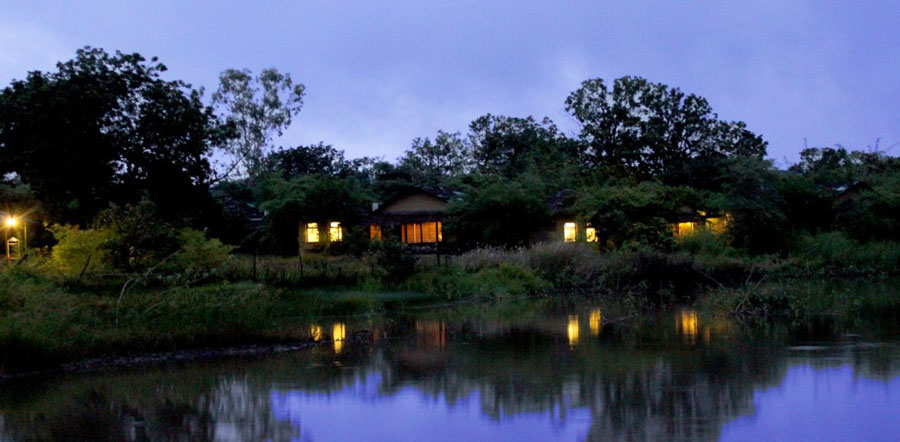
380	73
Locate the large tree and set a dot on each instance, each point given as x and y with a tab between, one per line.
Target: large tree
508	146
648	130
256	109
430	162
107	128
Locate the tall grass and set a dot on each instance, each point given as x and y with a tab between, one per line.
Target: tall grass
834	253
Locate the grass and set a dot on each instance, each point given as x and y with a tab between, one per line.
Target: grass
47	318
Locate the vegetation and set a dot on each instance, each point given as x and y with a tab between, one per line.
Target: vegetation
131	229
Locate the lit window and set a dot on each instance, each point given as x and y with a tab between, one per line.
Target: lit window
684	229
429	232
590	234
375	232
569	232
415	233
312	232
335	232
717	225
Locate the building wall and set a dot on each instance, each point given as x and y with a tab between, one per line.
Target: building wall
418	202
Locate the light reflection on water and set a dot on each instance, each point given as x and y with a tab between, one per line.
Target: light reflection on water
563	375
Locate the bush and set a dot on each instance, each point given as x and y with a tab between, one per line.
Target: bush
80	250
490	283
837	253
393	262
198	256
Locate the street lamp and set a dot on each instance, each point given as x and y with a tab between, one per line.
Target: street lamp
11	223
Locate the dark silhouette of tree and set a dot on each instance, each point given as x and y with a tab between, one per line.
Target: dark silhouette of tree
648	130
106	128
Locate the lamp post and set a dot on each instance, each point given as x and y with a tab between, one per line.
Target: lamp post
11	223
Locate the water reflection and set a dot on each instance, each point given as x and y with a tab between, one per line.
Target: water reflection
338	333
486	379
596	321
315	332
687	324
572	330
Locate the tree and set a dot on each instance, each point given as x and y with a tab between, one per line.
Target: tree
308	160
648	130
627	213
310	198
106	128
256	109
429	162
497	213
508	146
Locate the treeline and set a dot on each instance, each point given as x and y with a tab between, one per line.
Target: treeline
105	137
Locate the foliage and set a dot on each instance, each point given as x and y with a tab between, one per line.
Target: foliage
648	130
393	262
107	128
256	110
758	223
198	257
138	238
315	159
507	146
835	253
428	162
489	283
497	213
80	250
312	198
627	213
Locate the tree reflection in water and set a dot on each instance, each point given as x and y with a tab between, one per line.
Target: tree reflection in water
665	379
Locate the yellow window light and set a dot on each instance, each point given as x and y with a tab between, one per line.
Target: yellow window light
375	232
570	231
335	232
312	232
590	234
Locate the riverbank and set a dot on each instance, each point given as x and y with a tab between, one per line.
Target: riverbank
47	321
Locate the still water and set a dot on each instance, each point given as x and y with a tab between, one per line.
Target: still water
532	372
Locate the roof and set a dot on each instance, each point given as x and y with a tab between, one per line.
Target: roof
439	192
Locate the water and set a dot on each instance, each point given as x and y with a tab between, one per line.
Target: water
516	372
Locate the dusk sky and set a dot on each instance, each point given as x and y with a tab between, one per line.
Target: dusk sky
380	73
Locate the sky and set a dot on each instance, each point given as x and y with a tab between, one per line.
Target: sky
380	73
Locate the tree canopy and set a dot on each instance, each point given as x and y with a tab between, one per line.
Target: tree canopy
649	130
107	128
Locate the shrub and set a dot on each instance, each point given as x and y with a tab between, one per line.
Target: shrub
837	253
79	250
198	256
393	262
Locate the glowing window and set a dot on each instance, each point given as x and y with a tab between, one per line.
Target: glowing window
415	233
312	232
717	225
429	232
375	232
684	229
335	232
590	234
569	232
